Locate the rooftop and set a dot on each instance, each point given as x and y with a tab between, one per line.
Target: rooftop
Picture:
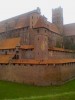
9	43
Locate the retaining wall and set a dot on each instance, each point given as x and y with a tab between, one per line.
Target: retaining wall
41	75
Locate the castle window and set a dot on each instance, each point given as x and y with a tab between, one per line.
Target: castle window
38	53
5	52
13	50
48	25
17	51
45	31
32	17
32	23
27	28
2	50
72	39
38	38
38	31
17	56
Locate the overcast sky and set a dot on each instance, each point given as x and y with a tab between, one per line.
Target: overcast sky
10	8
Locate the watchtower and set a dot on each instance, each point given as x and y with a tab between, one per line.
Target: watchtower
57	18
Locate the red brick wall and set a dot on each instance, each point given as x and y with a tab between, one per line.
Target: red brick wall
60	54
41	45
38	74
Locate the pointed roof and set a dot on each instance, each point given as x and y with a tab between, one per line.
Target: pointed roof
45	24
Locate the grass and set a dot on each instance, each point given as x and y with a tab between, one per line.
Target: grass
16	91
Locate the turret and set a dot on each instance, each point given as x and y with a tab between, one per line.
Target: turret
41	46
57	18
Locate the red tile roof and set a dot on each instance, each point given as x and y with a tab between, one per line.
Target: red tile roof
5	58
50	61
61	49
23	21
46	24
16	22
26	47
9	43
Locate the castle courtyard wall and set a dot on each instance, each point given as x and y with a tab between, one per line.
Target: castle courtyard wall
60	54
41	75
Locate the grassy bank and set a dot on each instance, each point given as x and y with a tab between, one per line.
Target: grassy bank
16	91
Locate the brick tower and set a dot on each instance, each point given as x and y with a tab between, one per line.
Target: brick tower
41	46
57	18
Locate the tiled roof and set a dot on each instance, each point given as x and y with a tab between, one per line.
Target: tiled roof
69	29
23	21
5	58
46	24
61	49
16	22
53	28
50	61
9	43
26	47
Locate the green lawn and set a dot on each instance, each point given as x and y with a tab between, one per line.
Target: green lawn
16	91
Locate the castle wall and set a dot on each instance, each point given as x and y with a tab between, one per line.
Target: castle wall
10	51
41	45
54	39
60	54
38	74
67	72
26	54
33	19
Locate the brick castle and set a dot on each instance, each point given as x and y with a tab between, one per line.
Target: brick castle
33	51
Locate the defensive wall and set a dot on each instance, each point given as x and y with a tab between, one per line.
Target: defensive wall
41	75
54	71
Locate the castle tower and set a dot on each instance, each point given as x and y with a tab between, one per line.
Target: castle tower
57	18
41	47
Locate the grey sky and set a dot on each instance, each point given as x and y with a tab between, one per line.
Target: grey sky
10	8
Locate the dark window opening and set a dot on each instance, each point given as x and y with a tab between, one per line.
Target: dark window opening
2	50
5	52
32	17
37	31
38	53
16	57
72	40
17	51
